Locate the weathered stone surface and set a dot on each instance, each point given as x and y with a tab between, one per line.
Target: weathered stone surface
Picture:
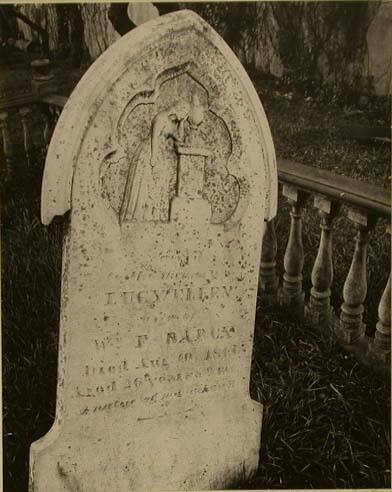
164	157
140	12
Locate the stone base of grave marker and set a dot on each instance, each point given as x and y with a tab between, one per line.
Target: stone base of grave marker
186	449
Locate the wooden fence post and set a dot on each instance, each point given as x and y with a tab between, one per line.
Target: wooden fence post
319	310
380	346
7	144
268	281
25	113
292	296
350	329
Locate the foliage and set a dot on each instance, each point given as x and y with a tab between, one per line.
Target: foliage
317	43
307	43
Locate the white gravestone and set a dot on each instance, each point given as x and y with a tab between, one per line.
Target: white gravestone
164	157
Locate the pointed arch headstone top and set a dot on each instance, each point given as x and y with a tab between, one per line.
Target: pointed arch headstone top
164	157
99	84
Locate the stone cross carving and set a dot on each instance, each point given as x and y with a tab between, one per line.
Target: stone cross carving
164	157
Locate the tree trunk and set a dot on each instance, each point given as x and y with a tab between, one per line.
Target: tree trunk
99	33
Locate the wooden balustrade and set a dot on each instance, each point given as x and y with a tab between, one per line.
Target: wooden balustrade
25	114
363	204
22	105
19	150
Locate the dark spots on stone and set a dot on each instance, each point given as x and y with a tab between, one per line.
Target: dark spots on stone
105	318
61	470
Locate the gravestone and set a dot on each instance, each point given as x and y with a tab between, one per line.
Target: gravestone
164	157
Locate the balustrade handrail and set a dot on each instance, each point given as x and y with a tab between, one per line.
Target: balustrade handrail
17	101
337	187
56	100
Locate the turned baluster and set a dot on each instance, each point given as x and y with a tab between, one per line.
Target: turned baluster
57	113
291	296
350	329
268	281
24	113
319	311
380	347
48	128
7	145
47	131
51	116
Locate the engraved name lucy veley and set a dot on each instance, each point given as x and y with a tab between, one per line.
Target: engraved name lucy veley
153	169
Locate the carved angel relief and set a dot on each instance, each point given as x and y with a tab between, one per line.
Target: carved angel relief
170	144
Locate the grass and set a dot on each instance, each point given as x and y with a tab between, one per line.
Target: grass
326	421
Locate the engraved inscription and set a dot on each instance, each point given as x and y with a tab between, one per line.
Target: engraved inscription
183	294
184	370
